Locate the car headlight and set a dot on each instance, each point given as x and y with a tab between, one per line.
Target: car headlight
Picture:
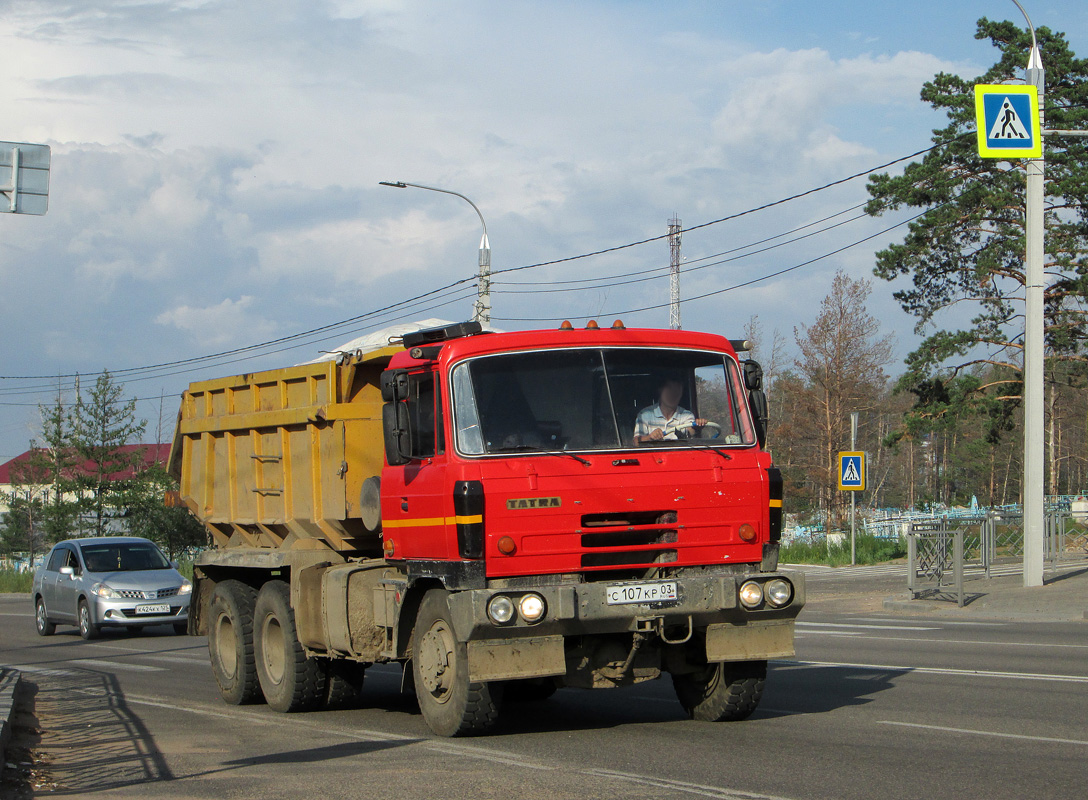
500	609
778	592
532	607
185	588
102	590
751	594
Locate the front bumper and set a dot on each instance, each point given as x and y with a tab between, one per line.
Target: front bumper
124	612
707	613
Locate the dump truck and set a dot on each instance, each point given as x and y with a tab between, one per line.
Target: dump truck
502	513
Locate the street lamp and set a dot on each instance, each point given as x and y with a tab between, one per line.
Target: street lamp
1033	339
482	307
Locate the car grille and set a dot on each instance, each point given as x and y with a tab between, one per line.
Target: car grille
135	594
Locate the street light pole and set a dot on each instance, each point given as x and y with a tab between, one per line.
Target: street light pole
1033	338
482	307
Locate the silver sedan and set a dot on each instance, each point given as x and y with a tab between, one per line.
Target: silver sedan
110	581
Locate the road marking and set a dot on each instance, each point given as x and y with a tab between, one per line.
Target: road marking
977	673
94	662
682	786
863	627
943	641
942	623
191	661
997	734
16	614
468	751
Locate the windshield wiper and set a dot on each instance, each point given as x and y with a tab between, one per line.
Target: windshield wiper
528	448
689	443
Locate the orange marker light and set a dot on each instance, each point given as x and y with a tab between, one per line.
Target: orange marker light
746	532
618	325
592	325
566	326
388	547
506	546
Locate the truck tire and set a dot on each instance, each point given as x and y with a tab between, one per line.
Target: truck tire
450	704
343	682
230	642
290	681
726	692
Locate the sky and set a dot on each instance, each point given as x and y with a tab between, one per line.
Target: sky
215	171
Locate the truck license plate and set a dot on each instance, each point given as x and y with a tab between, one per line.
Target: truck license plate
623	594
163	608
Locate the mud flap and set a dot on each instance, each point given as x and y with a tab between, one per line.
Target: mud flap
756	641
506	659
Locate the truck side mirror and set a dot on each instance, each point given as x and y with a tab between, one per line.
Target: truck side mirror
396	426
757	400
753	375
394	385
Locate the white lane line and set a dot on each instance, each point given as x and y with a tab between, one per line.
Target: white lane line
680	786
94	662
16	614
975	673
191	661
997	734
945	641
483	754
863	627
943	623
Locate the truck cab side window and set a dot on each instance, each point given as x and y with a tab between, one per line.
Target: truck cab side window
422	413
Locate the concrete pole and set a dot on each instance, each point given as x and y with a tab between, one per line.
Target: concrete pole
1033	341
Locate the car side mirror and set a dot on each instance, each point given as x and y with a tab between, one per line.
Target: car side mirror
69	571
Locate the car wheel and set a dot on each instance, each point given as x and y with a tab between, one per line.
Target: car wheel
230	642
290	681
87	629
41	620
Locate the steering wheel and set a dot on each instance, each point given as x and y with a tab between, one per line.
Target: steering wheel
712	430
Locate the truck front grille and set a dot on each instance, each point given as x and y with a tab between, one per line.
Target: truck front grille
607	533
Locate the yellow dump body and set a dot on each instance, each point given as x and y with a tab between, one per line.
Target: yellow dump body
277	459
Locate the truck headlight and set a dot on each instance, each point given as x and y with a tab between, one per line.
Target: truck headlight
532	607
779	592
102	590
500	609
751	594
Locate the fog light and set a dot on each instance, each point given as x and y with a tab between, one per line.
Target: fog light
532	608
500	609
751	594
779	592
746	532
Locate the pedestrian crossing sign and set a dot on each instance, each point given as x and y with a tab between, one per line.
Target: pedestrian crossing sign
1008	121
852	471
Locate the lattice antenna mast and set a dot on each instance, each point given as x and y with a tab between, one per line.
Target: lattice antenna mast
674	273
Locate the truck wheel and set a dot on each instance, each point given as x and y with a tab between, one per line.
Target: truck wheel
230	642
450	704
726	692
343	683
41	620
87	629
290	681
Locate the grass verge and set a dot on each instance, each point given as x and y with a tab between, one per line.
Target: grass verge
12	581
867	550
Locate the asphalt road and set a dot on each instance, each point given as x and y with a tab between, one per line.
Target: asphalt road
874	707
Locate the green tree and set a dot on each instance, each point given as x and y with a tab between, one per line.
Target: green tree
50	471
20	530
173	528
103	424
965	254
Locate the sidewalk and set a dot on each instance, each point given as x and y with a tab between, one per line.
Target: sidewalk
1062	598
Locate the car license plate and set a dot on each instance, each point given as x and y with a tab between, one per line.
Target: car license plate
625	593
162	608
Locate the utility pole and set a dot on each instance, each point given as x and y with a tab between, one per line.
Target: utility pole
674	272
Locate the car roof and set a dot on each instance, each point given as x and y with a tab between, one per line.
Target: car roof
107	540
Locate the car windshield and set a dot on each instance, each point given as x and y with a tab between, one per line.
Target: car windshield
123	557
597	399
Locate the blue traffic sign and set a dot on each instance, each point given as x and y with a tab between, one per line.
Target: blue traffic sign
852	471
1007	117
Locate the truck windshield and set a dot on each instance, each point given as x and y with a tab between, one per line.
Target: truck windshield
598	399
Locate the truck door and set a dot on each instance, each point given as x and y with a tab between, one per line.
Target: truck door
417	505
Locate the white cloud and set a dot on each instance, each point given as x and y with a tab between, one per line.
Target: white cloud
220	324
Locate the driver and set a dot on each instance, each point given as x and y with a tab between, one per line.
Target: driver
667	419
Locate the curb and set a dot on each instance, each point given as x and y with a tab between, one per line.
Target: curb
9	683
902	605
